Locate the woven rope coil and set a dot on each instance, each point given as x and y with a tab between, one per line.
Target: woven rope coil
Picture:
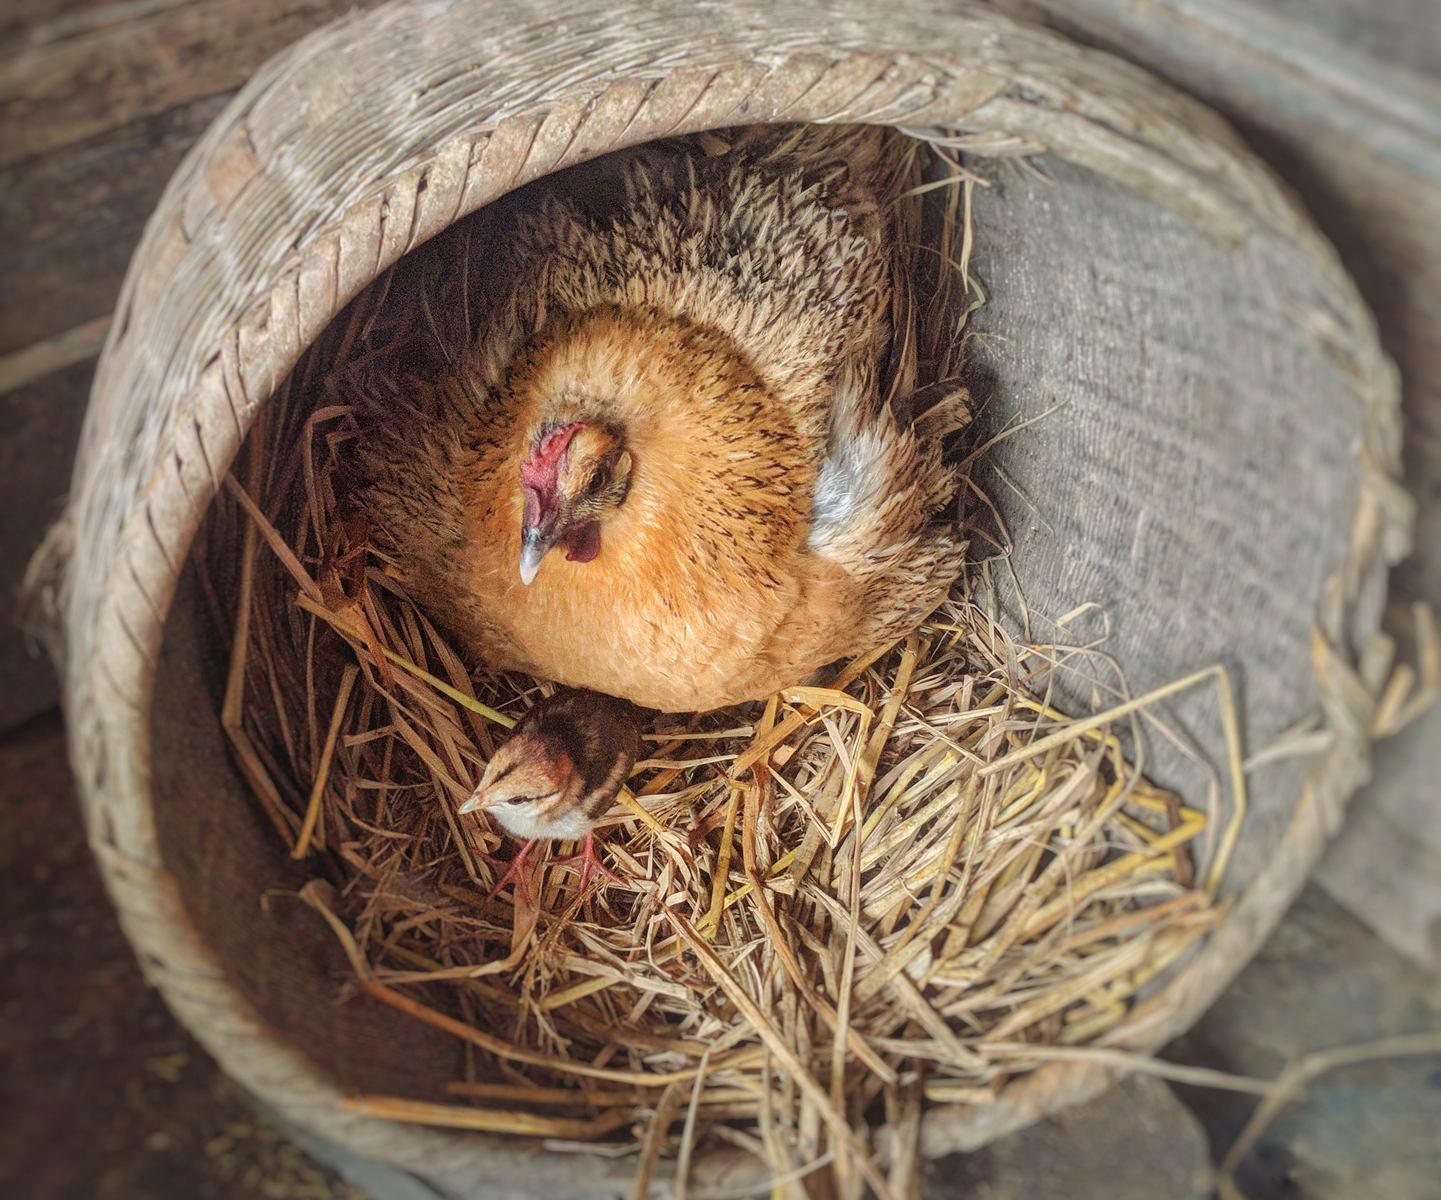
379	131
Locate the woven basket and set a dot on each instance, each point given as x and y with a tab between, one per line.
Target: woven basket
1219	476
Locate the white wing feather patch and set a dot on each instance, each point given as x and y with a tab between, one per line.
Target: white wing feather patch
854	478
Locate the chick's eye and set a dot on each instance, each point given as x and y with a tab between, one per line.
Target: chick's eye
597	480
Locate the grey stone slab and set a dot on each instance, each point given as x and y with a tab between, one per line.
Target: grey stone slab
1372	1130
1137	1142
1386	865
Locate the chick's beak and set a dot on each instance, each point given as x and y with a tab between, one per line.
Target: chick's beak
479	798
474	804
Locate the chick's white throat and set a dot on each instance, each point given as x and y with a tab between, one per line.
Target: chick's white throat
529	820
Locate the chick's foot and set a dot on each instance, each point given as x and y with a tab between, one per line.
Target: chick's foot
588	864
514	870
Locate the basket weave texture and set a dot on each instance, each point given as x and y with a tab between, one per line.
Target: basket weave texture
376	133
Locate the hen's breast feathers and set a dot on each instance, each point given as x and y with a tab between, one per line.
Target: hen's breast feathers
706	561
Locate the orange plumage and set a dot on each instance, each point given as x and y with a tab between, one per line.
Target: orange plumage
666	463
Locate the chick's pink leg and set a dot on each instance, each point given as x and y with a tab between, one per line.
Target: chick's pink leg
589	864
515	869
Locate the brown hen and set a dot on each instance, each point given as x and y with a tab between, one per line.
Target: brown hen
669	457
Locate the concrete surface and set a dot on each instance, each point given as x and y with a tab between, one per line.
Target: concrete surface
1368	1132
1137	1142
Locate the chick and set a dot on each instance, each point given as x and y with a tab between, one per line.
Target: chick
672	460
559	771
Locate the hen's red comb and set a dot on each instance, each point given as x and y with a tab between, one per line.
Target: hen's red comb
540	469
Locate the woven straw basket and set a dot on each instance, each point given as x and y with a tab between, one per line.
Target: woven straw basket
1216	471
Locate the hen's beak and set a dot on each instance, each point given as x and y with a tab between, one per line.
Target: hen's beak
534	546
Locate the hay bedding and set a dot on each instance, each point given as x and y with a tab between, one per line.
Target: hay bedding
839	906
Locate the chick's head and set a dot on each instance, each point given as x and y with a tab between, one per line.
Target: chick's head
532	788
575	478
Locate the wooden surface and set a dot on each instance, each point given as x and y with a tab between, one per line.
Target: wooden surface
1404	33
1343	97
103	1093
39	428
98	104
137	61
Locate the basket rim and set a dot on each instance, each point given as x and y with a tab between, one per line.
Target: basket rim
169	410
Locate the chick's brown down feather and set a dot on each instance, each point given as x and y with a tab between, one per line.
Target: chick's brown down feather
648	443
563	765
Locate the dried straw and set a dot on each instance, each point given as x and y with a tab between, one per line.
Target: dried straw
907	884
837	906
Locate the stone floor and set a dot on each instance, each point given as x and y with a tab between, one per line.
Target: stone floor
103	1095
1137	1142
1372	1130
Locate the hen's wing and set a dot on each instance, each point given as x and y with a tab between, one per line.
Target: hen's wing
885	492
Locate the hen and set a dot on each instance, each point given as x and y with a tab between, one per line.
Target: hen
666	452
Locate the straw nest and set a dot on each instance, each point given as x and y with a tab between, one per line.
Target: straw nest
837	906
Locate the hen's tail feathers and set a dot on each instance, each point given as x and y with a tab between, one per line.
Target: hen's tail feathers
940	410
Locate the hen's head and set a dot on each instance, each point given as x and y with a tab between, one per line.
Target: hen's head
575	477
